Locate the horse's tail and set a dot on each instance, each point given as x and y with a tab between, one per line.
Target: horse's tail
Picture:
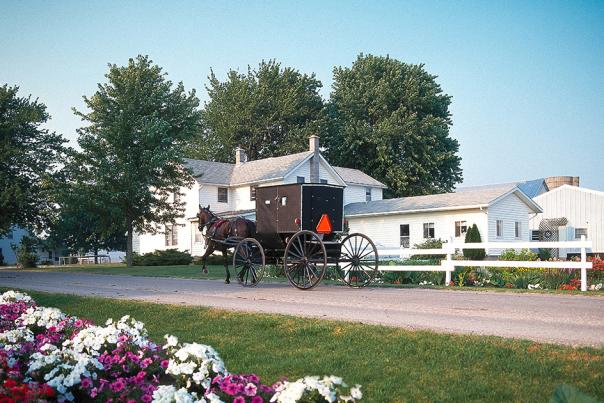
251	228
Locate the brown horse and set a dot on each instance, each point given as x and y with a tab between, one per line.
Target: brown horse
218	229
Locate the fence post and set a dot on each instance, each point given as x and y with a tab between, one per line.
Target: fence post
448	262
583	266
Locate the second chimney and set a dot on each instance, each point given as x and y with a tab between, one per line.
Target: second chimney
240	156
313	144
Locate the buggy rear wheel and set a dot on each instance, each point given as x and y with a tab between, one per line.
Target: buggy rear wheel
249	262
358	263
305	260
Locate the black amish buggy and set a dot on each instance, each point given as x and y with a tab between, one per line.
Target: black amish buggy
302	226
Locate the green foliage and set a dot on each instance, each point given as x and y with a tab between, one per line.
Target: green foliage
29	156
524	255
166	257
545	253
270	111
25	252
429	244
473	236
133	144
391	120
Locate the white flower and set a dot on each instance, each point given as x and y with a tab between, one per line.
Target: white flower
171	341
14	296
356	393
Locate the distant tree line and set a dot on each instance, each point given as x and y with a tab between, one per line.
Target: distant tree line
385	117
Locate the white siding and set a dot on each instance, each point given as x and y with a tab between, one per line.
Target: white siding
510	209
583	208
304	170
385	230
356	193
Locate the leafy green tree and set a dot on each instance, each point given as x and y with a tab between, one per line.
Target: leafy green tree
473	236
29	155
132	147
391	120
270	111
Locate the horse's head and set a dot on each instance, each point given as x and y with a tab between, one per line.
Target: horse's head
204	216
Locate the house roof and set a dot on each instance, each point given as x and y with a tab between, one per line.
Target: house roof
356	177
530	187
468	198
575	189
264	170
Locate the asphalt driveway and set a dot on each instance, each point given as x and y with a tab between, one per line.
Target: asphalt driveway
564	319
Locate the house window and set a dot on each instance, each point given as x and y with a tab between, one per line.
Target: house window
252	193
299	179
171	235
367	194
499	228
223	195
579	232
404	234
535	235
461	227
518	230
324	181
196	232
429	230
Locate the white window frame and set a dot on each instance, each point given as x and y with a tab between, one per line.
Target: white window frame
518	229
499	228
252	193
427	227
197	235
171	236
404	238
300	179
463	228
367	193
226	190
579	232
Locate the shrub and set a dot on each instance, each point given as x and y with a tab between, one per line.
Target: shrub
473	236
168	257
26	252
524	255
429	244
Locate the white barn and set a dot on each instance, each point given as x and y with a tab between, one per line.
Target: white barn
501	213
229	190
579	210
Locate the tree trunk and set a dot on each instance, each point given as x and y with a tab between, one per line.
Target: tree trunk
96	255
129	245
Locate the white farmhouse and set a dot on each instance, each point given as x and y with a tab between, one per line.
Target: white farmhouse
230	190
501	213
569	212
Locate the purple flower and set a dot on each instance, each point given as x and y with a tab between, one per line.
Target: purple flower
257	399
118	385
147	398
253	378
239	399
164	364
86	383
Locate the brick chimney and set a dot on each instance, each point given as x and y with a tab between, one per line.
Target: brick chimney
240	156
313	145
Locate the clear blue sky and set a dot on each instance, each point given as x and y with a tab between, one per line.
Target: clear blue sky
527	78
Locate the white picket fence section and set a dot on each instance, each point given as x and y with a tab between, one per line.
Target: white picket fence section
449	248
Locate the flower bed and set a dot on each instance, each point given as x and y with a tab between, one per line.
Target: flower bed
46	355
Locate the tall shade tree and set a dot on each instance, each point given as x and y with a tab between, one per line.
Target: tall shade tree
29	158
270	111
391	120
132	146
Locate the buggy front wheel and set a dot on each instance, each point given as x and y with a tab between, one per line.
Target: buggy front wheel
249	262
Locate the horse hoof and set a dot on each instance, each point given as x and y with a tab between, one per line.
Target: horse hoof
227	282
205	271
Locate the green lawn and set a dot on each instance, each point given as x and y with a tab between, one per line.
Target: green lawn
391	364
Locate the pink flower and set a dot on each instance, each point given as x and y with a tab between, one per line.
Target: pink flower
257	399
86	383
78	323
239	399
146	362
250	389
118	385
253	378
52	329
164	364
147	398
230	389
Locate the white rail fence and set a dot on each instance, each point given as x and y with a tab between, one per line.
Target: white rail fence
448	265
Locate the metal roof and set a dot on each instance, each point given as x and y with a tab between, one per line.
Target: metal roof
263	170
468	198
530	187
356	177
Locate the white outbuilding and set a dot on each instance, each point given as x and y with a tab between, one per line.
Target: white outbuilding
568	213
501	213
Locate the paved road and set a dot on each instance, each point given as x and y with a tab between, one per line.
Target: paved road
565	319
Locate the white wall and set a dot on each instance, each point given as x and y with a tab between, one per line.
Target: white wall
583	208
509	209
304	170
384	231
356	193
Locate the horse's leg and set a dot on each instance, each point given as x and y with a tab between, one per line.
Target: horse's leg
208	252
226	265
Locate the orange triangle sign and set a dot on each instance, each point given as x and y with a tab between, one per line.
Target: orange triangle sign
324	226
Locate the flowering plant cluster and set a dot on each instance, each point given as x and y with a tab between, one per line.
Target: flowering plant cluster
46	355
